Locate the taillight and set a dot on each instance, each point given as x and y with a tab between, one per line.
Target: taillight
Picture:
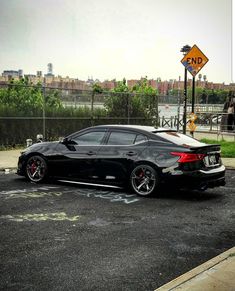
188	157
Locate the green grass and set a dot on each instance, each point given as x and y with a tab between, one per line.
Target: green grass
227	147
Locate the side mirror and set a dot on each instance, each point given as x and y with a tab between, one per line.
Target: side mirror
67	141
63	140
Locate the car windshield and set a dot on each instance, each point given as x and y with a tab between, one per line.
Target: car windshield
179	138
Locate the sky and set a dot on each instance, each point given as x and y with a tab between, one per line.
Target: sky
113	39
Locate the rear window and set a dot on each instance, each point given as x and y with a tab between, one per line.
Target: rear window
179	138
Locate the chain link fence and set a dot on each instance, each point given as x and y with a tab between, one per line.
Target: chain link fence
26	111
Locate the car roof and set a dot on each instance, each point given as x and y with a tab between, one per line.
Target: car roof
150	129
144	129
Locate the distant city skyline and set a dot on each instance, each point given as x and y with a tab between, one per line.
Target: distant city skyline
50	73
66	83
110	39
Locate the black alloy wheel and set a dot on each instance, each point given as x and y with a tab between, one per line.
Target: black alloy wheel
144	180
36	169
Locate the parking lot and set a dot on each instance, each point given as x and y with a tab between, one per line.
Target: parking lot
60	236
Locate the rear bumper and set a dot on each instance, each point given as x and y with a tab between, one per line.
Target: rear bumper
201	179
213	183
213	178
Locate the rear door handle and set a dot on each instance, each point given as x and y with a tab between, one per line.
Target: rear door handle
90	153
131	154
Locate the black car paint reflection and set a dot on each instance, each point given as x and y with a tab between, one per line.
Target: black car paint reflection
141	157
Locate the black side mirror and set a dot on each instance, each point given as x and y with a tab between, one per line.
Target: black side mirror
67	141
63	140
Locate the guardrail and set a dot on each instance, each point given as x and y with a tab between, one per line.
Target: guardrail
216	122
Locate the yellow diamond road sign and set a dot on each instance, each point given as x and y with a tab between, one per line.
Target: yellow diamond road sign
194	60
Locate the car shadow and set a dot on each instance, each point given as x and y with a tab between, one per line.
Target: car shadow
162	193
189	195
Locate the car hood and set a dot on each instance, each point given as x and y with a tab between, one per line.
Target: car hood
42	147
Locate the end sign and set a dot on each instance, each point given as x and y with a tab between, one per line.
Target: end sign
194	60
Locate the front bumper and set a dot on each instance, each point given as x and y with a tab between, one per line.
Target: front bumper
21	166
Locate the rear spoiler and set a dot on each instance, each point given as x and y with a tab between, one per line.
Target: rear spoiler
206	146
164	130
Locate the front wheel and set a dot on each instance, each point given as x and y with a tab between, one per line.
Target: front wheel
144	180
36	169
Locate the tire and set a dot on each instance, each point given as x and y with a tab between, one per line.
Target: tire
144	180
36	169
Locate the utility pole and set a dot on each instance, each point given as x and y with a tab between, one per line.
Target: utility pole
178	109
193	94
185	49
43	108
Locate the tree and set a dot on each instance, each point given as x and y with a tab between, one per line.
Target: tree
147	97
28	99
204	95
95	89
138	101
117	102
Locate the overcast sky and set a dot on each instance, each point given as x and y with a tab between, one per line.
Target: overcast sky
109	39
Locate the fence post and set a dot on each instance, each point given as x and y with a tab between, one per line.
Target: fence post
128	108
211	125
43	109
92	106
156	110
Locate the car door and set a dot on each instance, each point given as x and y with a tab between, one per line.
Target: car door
80	154
117	155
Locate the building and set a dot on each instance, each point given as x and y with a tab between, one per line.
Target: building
39	74
107	85
12	73
49	70
67	83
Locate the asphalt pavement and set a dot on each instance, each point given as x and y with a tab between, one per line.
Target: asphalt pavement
217	274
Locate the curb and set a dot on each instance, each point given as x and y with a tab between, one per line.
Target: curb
8	169
229	168
185	281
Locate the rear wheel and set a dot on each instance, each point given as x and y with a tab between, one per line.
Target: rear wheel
36	169
144	180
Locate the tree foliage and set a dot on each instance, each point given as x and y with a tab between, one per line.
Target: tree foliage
138	101
21	96
204	95
117	101
147	97
96	88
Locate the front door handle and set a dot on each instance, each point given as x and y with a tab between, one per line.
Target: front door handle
131	154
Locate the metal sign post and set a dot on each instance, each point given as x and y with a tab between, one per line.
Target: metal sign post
193	94
185	101
193	62
185	49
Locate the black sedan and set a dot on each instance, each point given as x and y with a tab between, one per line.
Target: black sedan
140	157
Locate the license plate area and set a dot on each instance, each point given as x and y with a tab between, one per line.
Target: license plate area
211	160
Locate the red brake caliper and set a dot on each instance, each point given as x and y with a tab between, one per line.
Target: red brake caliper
141	175
33	168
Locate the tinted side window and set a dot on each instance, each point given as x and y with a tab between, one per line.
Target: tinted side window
90	138
121	138
140	137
